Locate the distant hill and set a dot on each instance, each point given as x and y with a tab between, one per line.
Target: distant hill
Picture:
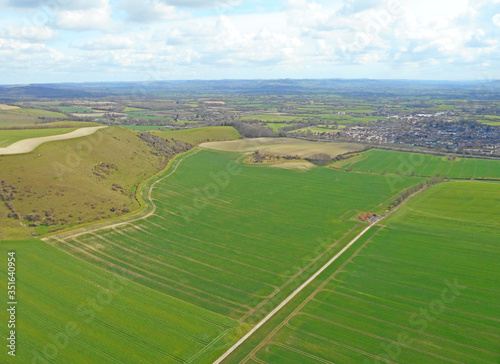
360	87
34	92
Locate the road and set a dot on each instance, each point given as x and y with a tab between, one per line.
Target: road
297	291
289	298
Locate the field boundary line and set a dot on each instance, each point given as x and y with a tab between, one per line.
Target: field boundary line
296	275
286	321
306	283
291	296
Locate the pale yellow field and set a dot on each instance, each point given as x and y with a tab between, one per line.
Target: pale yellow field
299	165
284	146
8	107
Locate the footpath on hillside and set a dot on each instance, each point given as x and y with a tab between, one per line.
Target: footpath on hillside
27	145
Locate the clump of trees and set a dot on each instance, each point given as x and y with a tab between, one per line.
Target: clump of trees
415	188
104	169
164	147
252	130
258	157
321	159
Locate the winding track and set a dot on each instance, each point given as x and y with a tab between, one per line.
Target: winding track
27	145
141	215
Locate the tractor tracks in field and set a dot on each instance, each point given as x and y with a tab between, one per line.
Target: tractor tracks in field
306	283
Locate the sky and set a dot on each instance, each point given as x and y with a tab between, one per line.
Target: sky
44	41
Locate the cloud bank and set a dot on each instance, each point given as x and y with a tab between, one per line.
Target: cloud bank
112	40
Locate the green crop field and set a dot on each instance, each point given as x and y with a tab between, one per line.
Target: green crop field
8	137
71	311
132	109
315	129
76	109
383	161
150	117
232	238
421	289
37	112
200	135
144	127
275	118
489	122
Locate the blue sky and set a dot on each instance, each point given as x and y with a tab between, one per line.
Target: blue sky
140	40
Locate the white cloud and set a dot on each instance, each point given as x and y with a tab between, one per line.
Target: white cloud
29	33
496	20
24	56
109	42
316	36
203	3
95	18
150	11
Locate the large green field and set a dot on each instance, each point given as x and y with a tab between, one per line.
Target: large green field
69	311
233	239
383	161
36	112
220	243
200	135
423	288
273	117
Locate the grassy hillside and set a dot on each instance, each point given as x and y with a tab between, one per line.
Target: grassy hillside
200	135
424	289
234	239
384	161
75	181
66	124
37	113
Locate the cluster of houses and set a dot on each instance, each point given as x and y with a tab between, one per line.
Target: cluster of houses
467	137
